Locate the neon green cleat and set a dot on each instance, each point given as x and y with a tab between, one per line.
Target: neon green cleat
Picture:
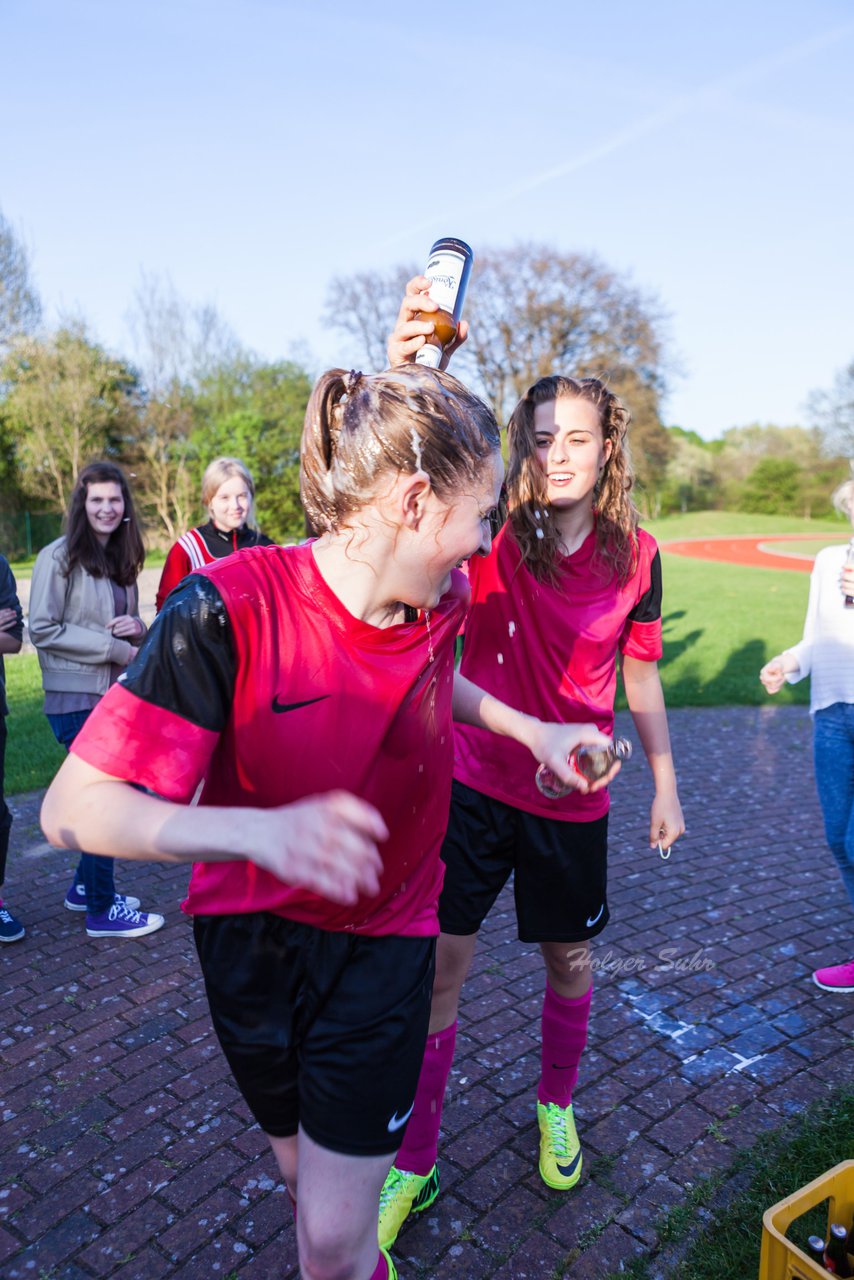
560	1150
404	1193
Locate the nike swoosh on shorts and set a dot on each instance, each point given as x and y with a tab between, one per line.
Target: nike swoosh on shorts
279	707
396	1121
598	916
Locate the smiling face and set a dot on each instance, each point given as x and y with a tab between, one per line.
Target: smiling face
230	506
105	508
570	450
451	532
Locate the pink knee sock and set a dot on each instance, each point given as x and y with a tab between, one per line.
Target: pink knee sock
564	1037
421	1140
381	1271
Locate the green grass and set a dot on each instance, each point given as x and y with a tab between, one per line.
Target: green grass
32	753
776	1167
730	524
23	568
721	623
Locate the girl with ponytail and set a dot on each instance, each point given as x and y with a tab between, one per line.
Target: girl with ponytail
308	692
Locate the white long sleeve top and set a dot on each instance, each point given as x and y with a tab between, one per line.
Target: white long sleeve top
826	652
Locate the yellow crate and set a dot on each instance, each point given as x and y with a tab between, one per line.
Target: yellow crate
782	1260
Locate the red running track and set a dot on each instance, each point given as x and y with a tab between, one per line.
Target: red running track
756	552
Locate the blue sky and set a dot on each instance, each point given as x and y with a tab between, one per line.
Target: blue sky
251	151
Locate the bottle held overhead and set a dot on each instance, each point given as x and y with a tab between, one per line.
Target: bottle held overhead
448	268
591	762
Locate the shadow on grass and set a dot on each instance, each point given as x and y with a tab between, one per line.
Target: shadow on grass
734	684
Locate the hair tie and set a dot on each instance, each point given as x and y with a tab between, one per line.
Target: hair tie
354	377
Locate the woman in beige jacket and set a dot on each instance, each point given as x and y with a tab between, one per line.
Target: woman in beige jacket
84	622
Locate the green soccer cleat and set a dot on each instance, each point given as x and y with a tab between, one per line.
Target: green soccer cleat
560	1150
404	1193
392	1269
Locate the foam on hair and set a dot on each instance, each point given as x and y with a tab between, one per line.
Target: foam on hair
360	428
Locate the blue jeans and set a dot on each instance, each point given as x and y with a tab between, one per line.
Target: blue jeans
833	746
93	872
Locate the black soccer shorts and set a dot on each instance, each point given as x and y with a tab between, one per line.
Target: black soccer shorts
560	870
322	1030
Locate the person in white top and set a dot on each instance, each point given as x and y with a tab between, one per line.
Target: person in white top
826	655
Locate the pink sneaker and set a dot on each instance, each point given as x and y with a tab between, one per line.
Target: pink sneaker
838	977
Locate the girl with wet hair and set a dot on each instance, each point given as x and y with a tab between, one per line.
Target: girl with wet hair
310	691
570	587
228	496
84	622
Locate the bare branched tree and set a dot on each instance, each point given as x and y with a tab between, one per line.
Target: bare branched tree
533	311
20	308
832	412
365	307
177	346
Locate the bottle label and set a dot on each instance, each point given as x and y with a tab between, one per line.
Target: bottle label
429	355
445	270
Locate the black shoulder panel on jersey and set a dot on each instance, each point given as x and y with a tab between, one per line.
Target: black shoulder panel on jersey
187	662
648	608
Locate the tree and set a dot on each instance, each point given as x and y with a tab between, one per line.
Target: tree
690	482
773	487
67	402
20	308
255	411
365	306
832	412
533	311
650	444
177	345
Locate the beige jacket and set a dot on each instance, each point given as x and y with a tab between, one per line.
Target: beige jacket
68	625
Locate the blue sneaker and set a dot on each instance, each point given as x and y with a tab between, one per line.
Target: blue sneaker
122	922
10	928
75	899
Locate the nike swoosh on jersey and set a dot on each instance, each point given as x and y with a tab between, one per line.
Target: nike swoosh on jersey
396	1121
280	707
598	916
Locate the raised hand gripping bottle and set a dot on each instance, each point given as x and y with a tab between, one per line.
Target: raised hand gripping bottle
449	268
591	762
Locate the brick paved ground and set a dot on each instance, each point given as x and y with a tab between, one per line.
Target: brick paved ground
126	1151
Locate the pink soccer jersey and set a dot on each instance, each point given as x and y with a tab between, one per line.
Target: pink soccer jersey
257	681
551	652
